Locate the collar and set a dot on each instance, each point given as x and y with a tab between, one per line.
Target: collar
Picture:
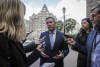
54	32
98	30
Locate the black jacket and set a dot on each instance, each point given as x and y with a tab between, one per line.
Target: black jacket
82	59
12	54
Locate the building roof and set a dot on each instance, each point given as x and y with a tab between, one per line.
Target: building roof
44	8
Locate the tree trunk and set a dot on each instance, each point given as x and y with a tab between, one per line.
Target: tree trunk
90	4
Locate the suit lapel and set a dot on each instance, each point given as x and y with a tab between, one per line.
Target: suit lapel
48	41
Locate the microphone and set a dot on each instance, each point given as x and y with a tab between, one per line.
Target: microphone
27	36
67	36
43	38
28	33
43	44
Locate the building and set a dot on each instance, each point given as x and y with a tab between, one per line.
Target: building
36	23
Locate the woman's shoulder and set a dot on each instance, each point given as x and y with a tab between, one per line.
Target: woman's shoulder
3	41
3	36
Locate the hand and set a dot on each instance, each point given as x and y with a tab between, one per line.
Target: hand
71	41
38	42
44	55
59	56
41	49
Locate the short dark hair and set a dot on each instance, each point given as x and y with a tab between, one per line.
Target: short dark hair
50	17
96	7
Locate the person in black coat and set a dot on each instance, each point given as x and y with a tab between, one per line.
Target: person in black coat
81	39
12	34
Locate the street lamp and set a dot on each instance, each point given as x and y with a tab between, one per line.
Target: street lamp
64	9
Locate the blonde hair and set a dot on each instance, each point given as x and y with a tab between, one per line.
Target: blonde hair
12	19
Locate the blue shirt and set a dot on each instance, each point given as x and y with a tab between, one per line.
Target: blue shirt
52	36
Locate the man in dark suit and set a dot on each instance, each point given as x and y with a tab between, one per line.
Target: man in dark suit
92	49
55	46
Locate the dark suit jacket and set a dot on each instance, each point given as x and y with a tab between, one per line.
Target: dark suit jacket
87	50
12	53
58	45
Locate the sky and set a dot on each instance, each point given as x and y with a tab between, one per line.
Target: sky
74	8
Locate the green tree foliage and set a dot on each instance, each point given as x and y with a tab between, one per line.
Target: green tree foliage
59	25
70	24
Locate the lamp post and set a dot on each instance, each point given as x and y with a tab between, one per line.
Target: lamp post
64	9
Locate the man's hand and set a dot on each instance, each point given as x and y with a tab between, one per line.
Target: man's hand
41	49
59	56
44	55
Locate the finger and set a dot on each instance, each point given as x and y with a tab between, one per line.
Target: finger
56	57
68	41
59	57
39	47
68	38
60	51
44	55
72	43
43	49
44	46
40	41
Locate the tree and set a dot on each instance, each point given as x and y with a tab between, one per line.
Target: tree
59	25
70	25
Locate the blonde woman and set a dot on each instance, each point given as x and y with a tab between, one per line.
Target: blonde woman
12	34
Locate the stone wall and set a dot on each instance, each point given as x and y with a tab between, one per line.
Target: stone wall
90	4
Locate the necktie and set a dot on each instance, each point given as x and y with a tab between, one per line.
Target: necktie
52	40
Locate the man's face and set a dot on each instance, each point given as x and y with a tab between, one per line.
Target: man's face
50	24
95	17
